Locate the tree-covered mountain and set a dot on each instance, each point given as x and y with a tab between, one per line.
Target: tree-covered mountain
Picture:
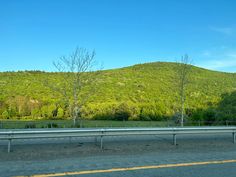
140	92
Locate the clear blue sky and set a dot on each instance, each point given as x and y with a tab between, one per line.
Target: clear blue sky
34	33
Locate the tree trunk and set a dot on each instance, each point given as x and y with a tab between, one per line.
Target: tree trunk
182	104
182	114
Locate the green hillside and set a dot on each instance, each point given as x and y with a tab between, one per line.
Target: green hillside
140	92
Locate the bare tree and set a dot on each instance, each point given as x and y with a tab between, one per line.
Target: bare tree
77	77
183	76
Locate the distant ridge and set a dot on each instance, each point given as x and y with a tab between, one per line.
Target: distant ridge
147	89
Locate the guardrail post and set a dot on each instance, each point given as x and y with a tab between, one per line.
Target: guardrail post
70	139
101	140
95	139
234	137
9	146
174	139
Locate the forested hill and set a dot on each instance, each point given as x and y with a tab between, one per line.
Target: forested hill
144	91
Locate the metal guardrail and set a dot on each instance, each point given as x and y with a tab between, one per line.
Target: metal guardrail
64	133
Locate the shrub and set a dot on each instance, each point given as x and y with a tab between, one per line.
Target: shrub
5	115
122	112
60	113
210	116
30	125
52	125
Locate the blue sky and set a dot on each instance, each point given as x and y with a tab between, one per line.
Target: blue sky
34	33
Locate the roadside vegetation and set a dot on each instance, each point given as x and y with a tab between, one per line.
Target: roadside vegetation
144	92
32	124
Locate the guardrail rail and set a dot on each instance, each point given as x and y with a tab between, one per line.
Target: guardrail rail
102	132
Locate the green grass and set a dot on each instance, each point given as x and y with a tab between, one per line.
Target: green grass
17	124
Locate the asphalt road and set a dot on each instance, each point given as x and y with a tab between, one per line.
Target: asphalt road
194	156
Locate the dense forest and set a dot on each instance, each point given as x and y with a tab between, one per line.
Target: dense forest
140	92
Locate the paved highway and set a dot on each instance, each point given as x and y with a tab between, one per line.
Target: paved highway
194	156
